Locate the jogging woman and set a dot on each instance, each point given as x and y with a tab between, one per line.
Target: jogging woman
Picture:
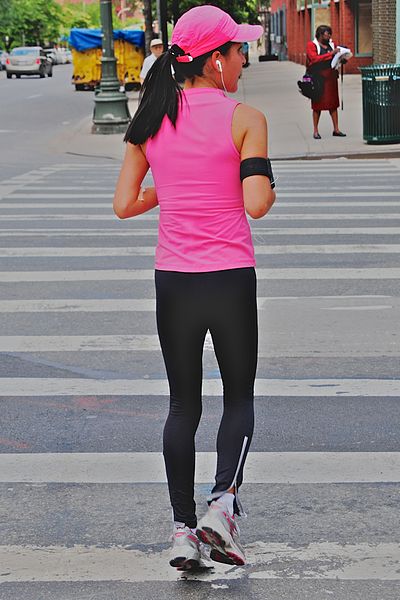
208	156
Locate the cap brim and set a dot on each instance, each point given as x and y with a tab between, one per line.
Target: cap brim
248	33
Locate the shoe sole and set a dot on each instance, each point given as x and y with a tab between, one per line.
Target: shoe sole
219	550
185	564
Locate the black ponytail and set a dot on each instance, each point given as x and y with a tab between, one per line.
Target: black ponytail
162	95
159	96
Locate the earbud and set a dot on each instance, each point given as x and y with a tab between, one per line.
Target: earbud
219	65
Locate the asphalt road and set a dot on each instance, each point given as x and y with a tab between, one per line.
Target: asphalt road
33	112
84	510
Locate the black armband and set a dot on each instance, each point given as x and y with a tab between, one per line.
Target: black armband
256	166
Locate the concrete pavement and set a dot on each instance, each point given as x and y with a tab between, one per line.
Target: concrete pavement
272	88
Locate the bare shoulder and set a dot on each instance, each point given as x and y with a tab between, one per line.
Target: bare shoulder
248	116
248	122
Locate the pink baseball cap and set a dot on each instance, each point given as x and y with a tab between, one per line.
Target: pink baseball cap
204	28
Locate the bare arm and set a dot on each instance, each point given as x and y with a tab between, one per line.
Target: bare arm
258	195
127	201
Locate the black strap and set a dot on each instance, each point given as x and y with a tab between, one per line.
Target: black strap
256	166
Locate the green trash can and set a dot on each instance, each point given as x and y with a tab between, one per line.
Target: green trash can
381	103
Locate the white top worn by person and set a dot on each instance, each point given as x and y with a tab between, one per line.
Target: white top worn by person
156	48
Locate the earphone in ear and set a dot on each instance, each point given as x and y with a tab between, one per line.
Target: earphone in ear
219	65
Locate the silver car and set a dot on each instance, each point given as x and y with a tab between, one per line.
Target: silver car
29	60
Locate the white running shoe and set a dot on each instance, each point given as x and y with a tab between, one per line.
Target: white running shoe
219	530
186	552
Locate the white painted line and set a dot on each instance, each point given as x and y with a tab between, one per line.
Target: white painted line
339	194
88	165
278	274
268	560
325	249
135	304
84	252
357	308
149	343
64	196
367	166
328	203
78	305
148	467
79	232
79	343
47	205
78	252
43	187
324	388
142	232
122	230
335	188
46	216
282	205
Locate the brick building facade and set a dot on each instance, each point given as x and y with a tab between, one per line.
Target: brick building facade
367	27
384	29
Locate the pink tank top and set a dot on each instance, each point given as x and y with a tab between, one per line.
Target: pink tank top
202	225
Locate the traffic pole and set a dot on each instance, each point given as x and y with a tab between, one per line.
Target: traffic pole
111	112
162	21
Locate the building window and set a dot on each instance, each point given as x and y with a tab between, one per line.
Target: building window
363	23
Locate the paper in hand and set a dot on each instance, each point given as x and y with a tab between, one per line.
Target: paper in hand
344	54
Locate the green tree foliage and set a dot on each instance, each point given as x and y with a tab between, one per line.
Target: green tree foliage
88	15
81	15
243	11
29	22
240	10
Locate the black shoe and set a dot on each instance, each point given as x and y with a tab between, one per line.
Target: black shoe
316	136
339	134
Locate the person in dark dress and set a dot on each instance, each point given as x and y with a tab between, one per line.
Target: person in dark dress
320	53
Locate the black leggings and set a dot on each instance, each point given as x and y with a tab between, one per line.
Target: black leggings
188	305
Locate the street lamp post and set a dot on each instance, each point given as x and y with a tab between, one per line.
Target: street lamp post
111	112
162	20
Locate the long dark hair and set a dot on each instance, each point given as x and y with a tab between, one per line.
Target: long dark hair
161	93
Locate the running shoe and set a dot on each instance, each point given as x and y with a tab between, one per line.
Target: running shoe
219	530
186	552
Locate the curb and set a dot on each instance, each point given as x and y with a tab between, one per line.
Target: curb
356	155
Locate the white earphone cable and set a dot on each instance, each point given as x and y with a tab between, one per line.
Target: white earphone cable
223	82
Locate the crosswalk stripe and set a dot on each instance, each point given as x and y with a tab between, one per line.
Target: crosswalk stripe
321	348
285	184
148	467
83	252
324	388
327	274
58	217
116	231
43	195
306	194
146	304
285	204
268	560
79	343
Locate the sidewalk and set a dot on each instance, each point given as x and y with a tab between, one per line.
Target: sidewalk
272	88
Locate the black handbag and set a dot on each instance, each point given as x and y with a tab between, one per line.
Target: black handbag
311	86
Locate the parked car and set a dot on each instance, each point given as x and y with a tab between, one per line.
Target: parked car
29	60
50	53
60	56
